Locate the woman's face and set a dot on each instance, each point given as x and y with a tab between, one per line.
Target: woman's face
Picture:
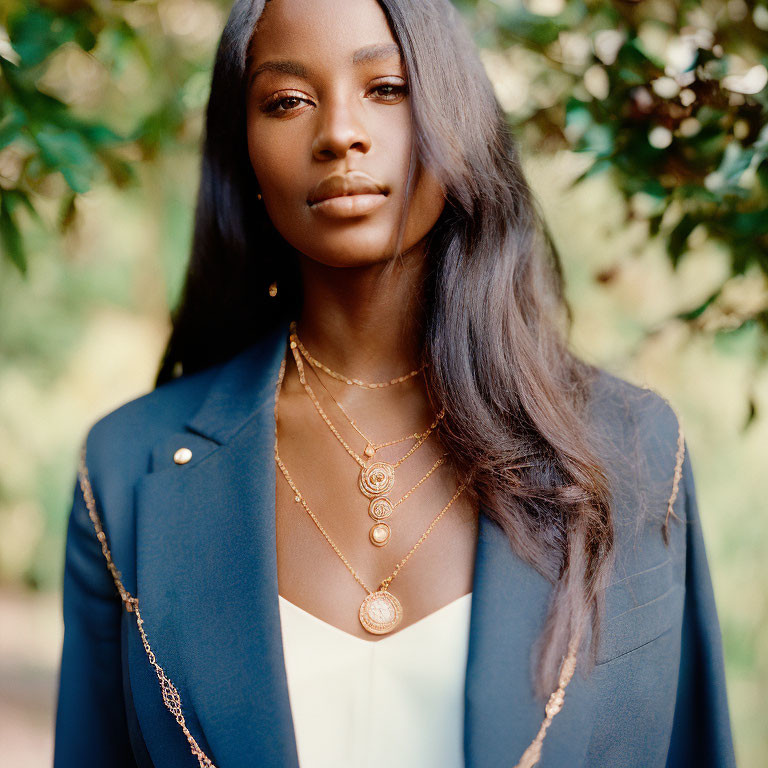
329	131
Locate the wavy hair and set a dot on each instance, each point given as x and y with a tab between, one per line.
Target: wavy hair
496	319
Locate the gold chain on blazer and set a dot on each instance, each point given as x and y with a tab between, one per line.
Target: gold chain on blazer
172	699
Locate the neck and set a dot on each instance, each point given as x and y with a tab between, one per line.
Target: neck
364	322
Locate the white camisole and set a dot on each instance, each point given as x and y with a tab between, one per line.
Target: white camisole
398	701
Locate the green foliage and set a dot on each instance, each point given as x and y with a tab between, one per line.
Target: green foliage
65	66
668	98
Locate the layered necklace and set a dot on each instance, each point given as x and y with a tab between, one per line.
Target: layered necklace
380	612
377	478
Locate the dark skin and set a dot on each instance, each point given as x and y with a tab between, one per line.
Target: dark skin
330	115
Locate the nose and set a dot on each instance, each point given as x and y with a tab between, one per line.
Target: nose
340	129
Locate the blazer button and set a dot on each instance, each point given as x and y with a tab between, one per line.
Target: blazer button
182	456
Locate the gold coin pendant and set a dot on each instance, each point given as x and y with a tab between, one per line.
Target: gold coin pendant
380	508
380	612
377	479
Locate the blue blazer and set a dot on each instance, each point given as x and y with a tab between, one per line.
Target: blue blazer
195	543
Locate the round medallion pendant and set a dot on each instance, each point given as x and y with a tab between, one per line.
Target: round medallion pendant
380	612
380	534
380	508
377	478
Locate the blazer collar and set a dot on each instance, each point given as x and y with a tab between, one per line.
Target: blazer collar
207	583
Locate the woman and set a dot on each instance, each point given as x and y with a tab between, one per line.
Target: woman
403	537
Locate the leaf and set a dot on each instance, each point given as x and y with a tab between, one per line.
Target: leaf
747	224
678	237
10	237
35	33
11	126
67	212
751	411
735	161
597	139
79	179
692	314
597	167
66	151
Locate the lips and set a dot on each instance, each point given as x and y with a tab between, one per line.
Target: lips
341	185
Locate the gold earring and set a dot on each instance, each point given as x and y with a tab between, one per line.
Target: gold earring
258	195
273	289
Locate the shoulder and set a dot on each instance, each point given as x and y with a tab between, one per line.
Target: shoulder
641	443
632	414
117	450
637	428
121	441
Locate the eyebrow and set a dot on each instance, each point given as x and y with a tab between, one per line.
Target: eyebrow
369	53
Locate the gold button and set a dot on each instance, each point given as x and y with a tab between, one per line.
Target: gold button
182	456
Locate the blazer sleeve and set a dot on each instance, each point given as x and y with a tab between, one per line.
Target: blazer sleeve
701	732
91	724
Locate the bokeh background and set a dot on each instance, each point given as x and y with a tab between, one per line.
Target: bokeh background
643	127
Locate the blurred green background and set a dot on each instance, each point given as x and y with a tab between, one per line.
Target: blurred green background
643	128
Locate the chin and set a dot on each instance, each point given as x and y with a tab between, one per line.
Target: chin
347	257
351	247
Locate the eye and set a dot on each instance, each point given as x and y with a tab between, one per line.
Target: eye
283	104
391	91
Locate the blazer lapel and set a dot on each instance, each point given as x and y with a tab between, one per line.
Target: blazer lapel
207	572
207	585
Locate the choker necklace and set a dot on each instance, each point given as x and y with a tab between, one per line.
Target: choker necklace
346	379
370	446
380	612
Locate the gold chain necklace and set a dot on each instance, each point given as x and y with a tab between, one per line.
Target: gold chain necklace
380	507
370	447
377	479
361	461
380	612
346	379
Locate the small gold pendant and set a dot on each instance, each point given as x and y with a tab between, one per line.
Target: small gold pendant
380	612
380	508
369	450
380	534
377	479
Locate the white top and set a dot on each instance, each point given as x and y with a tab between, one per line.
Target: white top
398	701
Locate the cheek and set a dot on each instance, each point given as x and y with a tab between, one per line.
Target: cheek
272	160
425	209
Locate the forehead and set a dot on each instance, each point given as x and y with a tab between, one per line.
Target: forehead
331	29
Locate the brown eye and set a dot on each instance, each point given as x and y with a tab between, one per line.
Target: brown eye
391	91
283	104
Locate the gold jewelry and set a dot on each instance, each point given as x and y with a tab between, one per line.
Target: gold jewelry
371	447
377	478
273	288
346	379
379	506
380	612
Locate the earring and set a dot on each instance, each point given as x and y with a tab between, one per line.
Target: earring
273	289
258	195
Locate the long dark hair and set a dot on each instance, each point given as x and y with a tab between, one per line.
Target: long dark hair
496	318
